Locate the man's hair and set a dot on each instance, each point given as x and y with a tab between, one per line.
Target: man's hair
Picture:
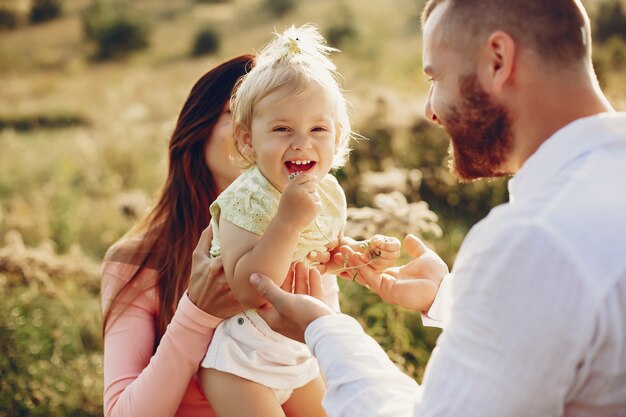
558	30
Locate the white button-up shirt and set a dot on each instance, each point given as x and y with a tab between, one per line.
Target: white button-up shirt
534	314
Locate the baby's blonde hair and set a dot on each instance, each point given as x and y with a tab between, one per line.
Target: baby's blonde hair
296	59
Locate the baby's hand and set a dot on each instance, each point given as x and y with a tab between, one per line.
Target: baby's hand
300	202
323	260
380	252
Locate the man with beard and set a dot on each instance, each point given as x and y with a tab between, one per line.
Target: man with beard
534	312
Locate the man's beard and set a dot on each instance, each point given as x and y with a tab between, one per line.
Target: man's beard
481	133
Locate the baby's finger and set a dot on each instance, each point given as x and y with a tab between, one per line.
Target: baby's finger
346	251
305	178
318	256
332	244
339	258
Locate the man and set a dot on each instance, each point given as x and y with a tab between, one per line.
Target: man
535	318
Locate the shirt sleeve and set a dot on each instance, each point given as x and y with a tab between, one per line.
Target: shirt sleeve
138	381
251	202
515	311
361	379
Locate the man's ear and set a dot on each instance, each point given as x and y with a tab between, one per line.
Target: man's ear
498	61
243	138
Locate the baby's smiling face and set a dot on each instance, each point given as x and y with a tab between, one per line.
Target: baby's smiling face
292	134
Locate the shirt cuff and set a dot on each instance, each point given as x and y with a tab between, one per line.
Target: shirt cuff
439	311
196	315
332	323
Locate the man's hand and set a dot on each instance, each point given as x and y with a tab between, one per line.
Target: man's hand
413	285
380	252
290	313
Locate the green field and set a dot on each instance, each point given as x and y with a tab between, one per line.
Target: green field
82	153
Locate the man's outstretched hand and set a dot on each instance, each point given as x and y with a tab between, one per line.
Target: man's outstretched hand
413	286
289	313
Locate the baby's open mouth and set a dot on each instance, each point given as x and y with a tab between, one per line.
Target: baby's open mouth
299	166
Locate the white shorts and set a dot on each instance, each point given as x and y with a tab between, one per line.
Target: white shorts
244	345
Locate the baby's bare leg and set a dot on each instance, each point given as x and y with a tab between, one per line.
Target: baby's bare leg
233	396
307	400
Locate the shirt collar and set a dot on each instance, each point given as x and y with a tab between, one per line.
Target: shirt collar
575	139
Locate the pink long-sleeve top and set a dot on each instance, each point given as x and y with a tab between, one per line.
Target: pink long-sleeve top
140	382
137	381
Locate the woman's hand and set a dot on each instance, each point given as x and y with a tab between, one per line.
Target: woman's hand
208	288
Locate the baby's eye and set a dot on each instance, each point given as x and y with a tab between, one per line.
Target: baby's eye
319	129
280	129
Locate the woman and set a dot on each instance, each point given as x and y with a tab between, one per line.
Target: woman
152	342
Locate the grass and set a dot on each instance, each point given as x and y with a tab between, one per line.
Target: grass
80	186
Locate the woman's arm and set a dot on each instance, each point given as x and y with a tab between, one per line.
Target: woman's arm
137	381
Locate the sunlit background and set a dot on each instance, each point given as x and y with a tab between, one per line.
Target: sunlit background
89	94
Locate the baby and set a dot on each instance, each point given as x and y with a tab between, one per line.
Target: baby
291	125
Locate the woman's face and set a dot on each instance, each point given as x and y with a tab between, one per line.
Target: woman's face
219	154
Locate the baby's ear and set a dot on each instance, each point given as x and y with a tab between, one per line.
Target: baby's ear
243	139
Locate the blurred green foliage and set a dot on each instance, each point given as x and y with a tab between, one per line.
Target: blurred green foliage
50	358
24	123
50	339
114	29
279	8
207	41
45	10
9	19
610	20
73	181
342	27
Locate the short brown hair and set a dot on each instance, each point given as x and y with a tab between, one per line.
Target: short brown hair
558	30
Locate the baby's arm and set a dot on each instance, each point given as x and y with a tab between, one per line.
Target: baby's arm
244	253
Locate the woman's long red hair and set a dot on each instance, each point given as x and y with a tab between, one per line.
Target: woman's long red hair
171	230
